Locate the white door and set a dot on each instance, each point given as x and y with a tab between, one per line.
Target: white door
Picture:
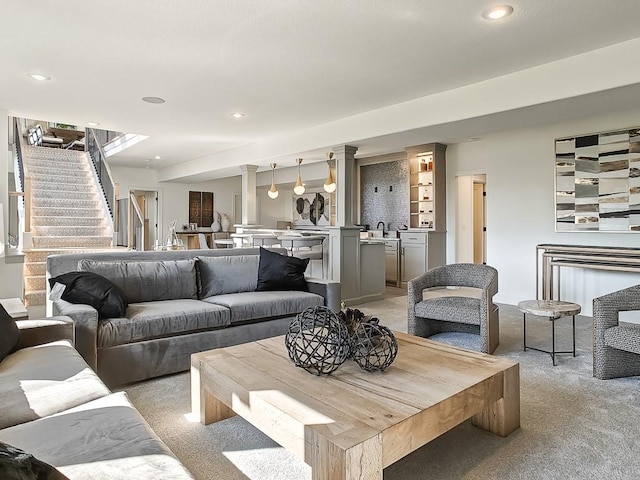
413	261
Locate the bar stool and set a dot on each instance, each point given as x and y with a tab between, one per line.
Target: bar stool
294	244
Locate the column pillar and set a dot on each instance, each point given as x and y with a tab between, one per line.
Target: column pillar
249	198
346	185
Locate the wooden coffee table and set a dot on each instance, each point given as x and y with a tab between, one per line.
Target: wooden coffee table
352	424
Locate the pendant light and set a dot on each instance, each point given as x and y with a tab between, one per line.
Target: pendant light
299	188
330	183
273	191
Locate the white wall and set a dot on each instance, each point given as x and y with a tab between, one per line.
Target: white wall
10	267
174	197
519	165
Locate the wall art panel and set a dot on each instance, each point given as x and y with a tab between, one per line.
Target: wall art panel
597	178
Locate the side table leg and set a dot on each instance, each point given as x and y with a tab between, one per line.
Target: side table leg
574	335
524	331
553	340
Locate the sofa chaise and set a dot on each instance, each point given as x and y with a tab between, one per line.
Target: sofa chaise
55	408
179	303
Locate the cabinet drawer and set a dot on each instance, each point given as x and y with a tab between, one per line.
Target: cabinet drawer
413	237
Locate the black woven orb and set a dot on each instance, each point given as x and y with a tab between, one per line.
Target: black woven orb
317	341
374	347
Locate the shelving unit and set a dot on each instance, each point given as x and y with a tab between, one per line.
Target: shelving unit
427	186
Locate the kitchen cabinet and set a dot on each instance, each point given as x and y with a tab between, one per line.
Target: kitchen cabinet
421	251
392	261
427	186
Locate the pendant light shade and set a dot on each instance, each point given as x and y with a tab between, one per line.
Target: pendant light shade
273	191
299	188
330	182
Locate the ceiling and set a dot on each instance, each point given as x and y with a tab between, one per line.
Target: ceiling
308	75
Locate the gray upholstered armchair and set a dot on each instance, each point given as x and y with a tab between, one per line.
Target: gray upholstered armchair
450	313
616	348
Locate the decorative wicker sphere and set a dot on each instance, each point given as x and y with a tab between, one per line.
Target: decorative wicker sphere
317	341
374	347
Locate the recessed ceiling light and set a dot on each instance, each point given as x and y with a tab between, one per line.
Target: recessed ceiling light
146	160
237	115
92	124
496	13
157	157
39	77
153	99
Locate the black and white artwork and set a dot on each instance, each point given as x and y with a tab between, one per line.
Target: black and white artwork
598	182
312	209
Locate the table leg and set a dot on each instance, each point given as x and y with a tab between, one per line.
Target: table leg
503	417
524	331
574	335
331	462
553	341
205	407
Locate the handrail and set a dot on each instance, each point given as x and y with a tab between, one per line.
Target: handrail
136	208
97	156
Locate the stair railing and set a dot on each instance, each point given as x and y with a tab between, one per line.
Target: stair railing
22	189
136	225
103	172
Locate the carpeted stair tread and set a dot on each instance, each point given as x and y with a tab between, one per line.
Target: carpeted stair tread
61	221
65	202
65	212
60	241
35	298
72	230
68	194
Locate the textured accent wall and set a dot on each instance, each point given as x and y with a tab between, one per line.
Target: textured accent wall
390	207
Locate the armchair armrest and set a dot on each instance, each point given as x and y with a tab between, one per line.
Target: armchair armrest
329	289
607	307
37	332
85	319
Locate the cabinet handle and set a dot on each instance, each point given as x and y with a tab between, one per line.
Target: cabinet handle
402	251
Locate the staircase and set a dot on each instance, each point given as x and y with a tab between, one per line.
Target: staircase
68	214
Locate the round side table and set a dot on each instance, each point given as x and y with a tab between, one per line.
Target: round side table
553	310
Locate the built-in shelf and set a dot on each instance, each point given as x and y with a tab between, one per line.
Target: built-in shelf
427	178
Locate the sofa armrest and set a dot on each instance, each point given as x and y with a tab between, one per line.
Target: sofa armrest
329	289
85	319
37	332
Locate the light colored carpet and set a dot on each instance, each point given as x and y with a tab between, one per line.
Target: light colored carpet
572	425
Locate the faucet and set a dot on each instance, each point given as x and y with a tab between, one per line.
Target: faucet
378	227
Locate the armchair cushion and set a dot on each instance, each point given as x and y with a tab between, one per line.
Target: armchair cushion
89	288
623	337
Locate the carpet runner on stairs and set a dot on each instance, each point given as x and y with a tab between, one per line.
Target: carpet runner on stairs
68	214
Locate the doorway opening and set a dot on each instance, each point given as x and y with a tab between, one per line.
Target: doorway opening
471	227
143	220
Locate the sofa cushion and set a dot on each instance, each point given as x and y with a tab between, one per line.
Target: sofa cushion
16	464
38	381
227	274
89	288
452	309
9	336
280	272
105	438
148	281
165	318
258	305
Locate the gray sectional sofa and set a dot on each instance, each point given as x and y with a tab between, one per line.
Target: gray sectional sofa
55	408
180	302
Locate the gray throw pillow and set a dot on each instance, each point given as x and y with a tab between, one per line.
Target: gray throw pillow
228	274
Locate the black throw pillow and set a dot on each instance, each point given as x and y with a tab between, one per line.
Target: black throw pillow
279	272
9	335
16	464
92	289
